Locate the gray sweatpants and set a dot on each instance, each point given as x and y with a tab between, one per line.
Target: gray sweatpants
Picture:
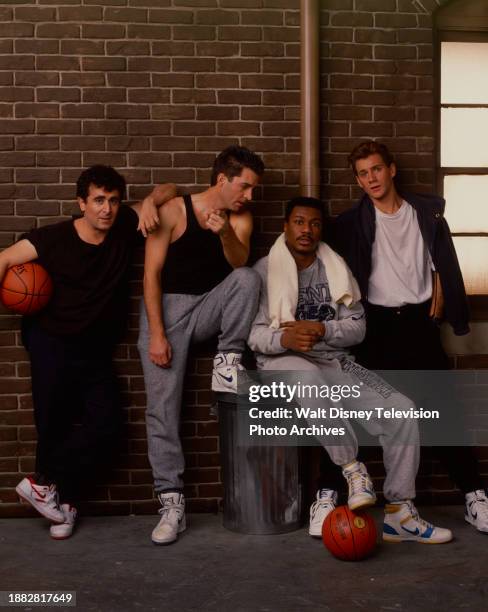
227	310
398	437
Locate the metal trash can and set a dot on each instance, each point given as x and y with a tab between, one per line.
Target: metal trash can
263	490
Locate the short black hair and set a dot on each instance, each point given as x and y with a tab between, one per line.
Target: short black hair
233	160
304	201
100	176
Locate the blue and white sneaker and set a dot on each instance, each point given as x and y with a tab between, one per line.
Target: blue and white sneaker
224	375
403	524
361	490
476	510
324	504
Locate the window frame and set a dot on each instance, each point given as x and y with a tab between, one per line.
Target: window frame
459	21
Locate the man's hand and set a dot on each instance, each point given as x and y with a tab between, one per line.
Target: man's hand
160	351
218	222
147	209
148	216
301	336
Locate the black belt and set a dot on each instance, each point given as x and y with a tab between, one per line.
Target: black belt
407	309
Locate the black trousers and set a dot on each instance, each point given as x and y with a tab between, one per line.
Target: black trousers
76	407
405	338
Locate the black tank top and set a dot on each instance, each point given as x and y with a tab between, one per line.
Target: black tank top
195	263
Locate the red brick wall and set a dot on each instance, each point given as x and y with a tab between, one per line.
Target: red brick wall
157	88
377	75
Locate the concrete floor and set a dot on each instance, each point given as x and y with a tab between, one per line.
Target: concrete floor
112	565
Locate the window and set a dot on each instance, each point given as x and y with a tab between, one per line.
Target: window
462	49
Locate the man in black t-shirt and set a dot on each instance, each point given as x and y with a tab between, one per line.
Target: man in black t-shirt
70	342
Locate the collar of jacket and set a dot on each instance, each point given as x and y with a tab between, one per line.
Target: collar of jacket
429	208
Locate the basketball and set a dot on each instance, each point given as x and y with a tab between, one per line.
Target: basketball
348	535
26	288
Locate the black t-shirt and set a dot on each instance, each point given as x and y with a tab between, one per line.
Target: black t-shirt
91	288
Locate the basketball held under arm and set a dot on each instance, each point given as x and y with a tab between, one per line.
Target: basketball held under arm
19	253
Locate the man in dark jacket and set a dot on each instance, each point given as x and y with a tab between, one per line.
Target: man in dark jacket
392	242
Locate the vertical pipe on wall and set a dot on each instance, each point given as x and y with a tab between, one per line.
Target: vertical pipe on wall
309	99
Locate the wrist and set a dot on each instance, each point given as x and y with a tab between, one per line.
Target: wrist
149	200
157	334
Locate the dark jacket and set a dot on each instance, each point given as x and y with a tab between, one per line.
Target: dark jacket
353	233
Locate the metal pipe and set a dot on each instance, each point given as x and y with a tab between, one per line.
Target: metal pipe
309	99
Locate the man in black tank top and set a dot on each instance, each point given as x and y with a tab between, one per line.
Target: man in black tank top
195	287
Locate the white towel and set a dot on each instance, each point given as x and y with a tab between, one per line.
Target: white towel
283	281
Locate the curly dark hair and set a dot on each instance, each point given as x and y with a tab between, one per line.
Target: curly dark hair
100	176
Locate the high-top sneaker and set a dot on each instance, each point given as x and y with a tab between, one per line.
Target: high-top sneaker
224	375
172	520
361	491
65	530
403	524
476	510
324	504
44	498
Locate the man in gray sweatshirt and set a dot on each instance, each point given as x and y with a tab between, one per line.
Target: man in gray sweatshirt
317	341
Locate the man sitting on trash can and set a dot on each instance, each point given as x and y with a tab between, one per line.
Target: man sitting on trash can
309	314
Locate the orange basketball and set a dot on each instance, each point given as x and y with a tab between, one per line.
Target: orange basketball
26	288
348	535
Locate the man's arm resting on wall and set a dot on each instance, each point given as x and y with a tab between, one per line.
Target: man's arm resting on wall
19	253
147	209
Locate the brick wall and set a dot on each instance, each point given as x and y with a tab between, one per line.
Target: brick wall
378	82
157	88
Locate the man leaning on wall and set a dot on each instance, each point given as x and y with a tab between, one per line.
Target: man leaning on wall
393	241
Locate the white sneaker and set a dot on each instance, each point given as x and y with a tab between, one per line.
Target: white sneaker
65	530
326	502
224	375
173	519
43	498
361	490
476	510
403	524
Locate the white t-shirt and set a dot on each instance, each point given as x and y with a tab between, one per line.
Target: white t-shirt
401	264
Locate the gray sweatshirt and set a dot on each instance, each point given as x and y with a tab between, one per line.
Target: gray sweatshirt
344	327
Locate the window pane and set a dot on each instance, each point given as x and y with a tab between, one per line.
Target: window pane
464	134
473	256
466	203
463	73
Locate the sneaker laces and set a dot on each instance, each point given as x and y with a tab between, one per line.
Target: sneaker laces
416	517
481	502
51	494
325	498
167	504
358	482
